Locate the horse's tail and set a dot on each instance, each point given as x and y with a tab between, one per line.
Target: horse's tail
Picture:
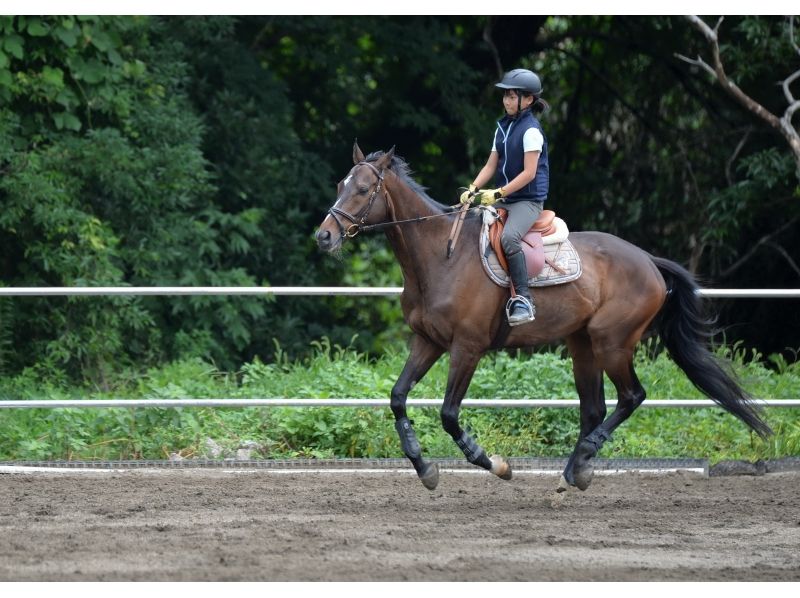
686	333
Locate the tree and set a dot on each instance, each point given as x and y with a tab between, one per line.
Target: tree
782	124
205	150
105	183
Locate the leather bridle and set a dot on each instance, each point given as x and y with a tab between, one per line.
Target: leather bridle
357	221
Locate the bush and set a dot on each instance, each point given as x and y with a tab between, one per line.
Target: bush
332	371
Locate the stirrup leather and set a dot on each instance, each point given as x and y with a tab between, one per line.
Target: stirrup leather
527	304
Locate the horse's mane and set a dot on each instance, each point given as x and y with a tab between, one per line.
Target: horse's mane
401	168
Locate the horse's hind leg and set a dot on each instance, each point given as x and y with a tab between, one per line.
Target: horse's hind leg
462	367
589	384
422	356
630	394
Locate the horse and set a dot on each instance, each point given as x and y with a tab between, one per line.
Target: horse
451	305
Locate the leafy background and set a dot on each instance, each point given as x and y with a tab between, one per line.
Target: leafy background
205	151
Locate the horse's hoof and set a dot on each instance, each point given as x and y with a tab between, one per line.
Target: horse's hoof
430	477
563	485
500	467
583	477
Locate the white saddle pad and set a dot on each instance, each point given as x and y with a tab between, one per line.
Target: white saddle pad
558	252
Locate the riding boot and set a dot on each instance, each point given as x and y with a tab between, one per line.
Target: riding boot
519	309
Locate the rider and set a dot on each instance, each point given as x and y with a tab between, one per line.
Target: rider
519	161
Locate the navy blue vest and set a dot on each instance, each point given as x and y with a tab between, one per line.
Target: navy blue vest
508	143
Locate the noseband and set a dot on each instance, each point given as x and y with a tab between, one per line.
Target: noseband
357	221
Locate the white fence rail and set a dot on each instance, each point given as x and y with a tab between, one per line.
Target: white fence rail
172	291
382	403
312	291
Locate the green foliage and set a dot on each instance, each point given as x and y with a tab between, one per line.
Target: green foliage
106	202
205	151
68	73
332	371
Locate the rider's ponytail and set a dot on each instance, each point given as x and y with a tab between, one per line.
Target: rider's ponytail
539	105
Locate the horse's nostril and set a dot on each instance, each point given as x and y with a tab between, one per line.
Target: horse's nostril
323	237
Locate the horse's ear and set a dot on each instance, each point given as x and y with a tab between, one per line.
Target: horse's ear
385	160
358	155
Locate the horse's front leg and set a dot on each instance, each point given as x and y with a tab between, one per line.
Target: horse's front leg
462	367
422	356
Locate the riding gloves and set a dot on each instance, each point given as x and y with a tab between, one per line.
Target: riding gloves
487	198
469	194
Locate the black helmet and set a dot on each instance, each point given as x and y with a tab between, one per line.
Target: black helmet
521	79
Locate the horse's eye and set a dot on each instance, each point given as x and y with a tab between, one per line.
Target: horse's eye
362	189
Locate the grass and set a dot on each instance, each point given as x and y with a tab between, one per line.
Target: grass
336	372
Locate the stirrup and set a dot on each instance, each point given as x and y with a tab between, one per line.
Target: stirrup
529	317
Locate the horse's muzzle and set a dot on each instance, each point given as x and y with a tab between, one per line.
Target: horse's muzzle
326	241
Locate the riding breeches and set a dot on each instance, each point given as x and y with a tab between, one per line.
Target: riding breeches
521	216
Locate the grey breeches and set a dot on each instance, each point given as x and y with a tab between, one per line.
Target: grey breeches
521	216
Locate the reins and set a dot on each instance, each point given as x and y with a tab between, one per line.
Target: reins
388	223
358	221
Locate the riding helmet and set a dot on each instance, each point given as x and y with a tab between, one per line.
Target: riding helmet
521	79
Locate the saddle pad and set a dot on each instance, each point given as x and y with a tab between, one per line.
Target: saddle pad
562	254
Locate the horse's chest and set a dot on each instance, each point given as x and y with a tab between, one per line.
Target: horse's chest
430	321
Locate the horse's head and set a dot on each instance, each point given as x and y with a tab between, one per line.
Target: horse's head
360	201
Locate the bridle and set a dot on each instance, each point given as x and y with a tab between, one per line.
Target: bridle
358	222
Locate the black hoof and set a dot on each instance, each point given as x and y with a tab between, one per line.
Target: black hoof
583	477
582	469
430	476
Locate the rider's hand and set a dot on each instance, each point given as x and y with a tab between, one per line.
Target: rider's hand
469	194
487	198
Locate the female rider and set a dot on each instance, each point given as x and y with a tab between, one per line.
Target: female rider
519	162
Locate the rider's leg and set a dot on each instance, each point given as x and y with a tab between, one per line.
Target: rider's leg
521	216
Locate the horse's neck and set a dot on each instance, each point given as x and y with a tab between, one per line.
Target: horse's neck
415	243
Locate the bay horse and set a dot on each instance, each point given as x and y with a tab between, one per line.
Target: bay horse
452	306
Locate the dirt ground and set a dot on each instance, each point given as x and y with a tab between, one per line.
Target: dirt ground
266	526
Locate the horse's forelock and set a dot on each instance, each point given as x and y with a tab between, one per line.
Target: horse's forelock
398	165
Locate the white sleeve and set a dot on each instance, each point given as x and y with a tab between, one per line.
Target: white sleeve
532	141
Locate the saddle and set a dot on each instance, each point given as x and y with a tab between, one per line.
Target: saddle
531	244
550	257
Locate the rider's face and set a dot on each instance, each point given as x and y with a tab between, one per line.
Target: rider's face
510	103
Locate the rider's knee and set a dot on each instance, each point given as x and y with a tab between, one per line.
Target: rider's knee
511	242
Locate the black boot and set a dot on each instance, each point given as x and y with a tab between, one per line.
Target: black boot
519	309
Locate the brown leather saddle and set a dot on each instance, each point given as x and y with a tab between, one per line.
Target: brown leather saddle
532	245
